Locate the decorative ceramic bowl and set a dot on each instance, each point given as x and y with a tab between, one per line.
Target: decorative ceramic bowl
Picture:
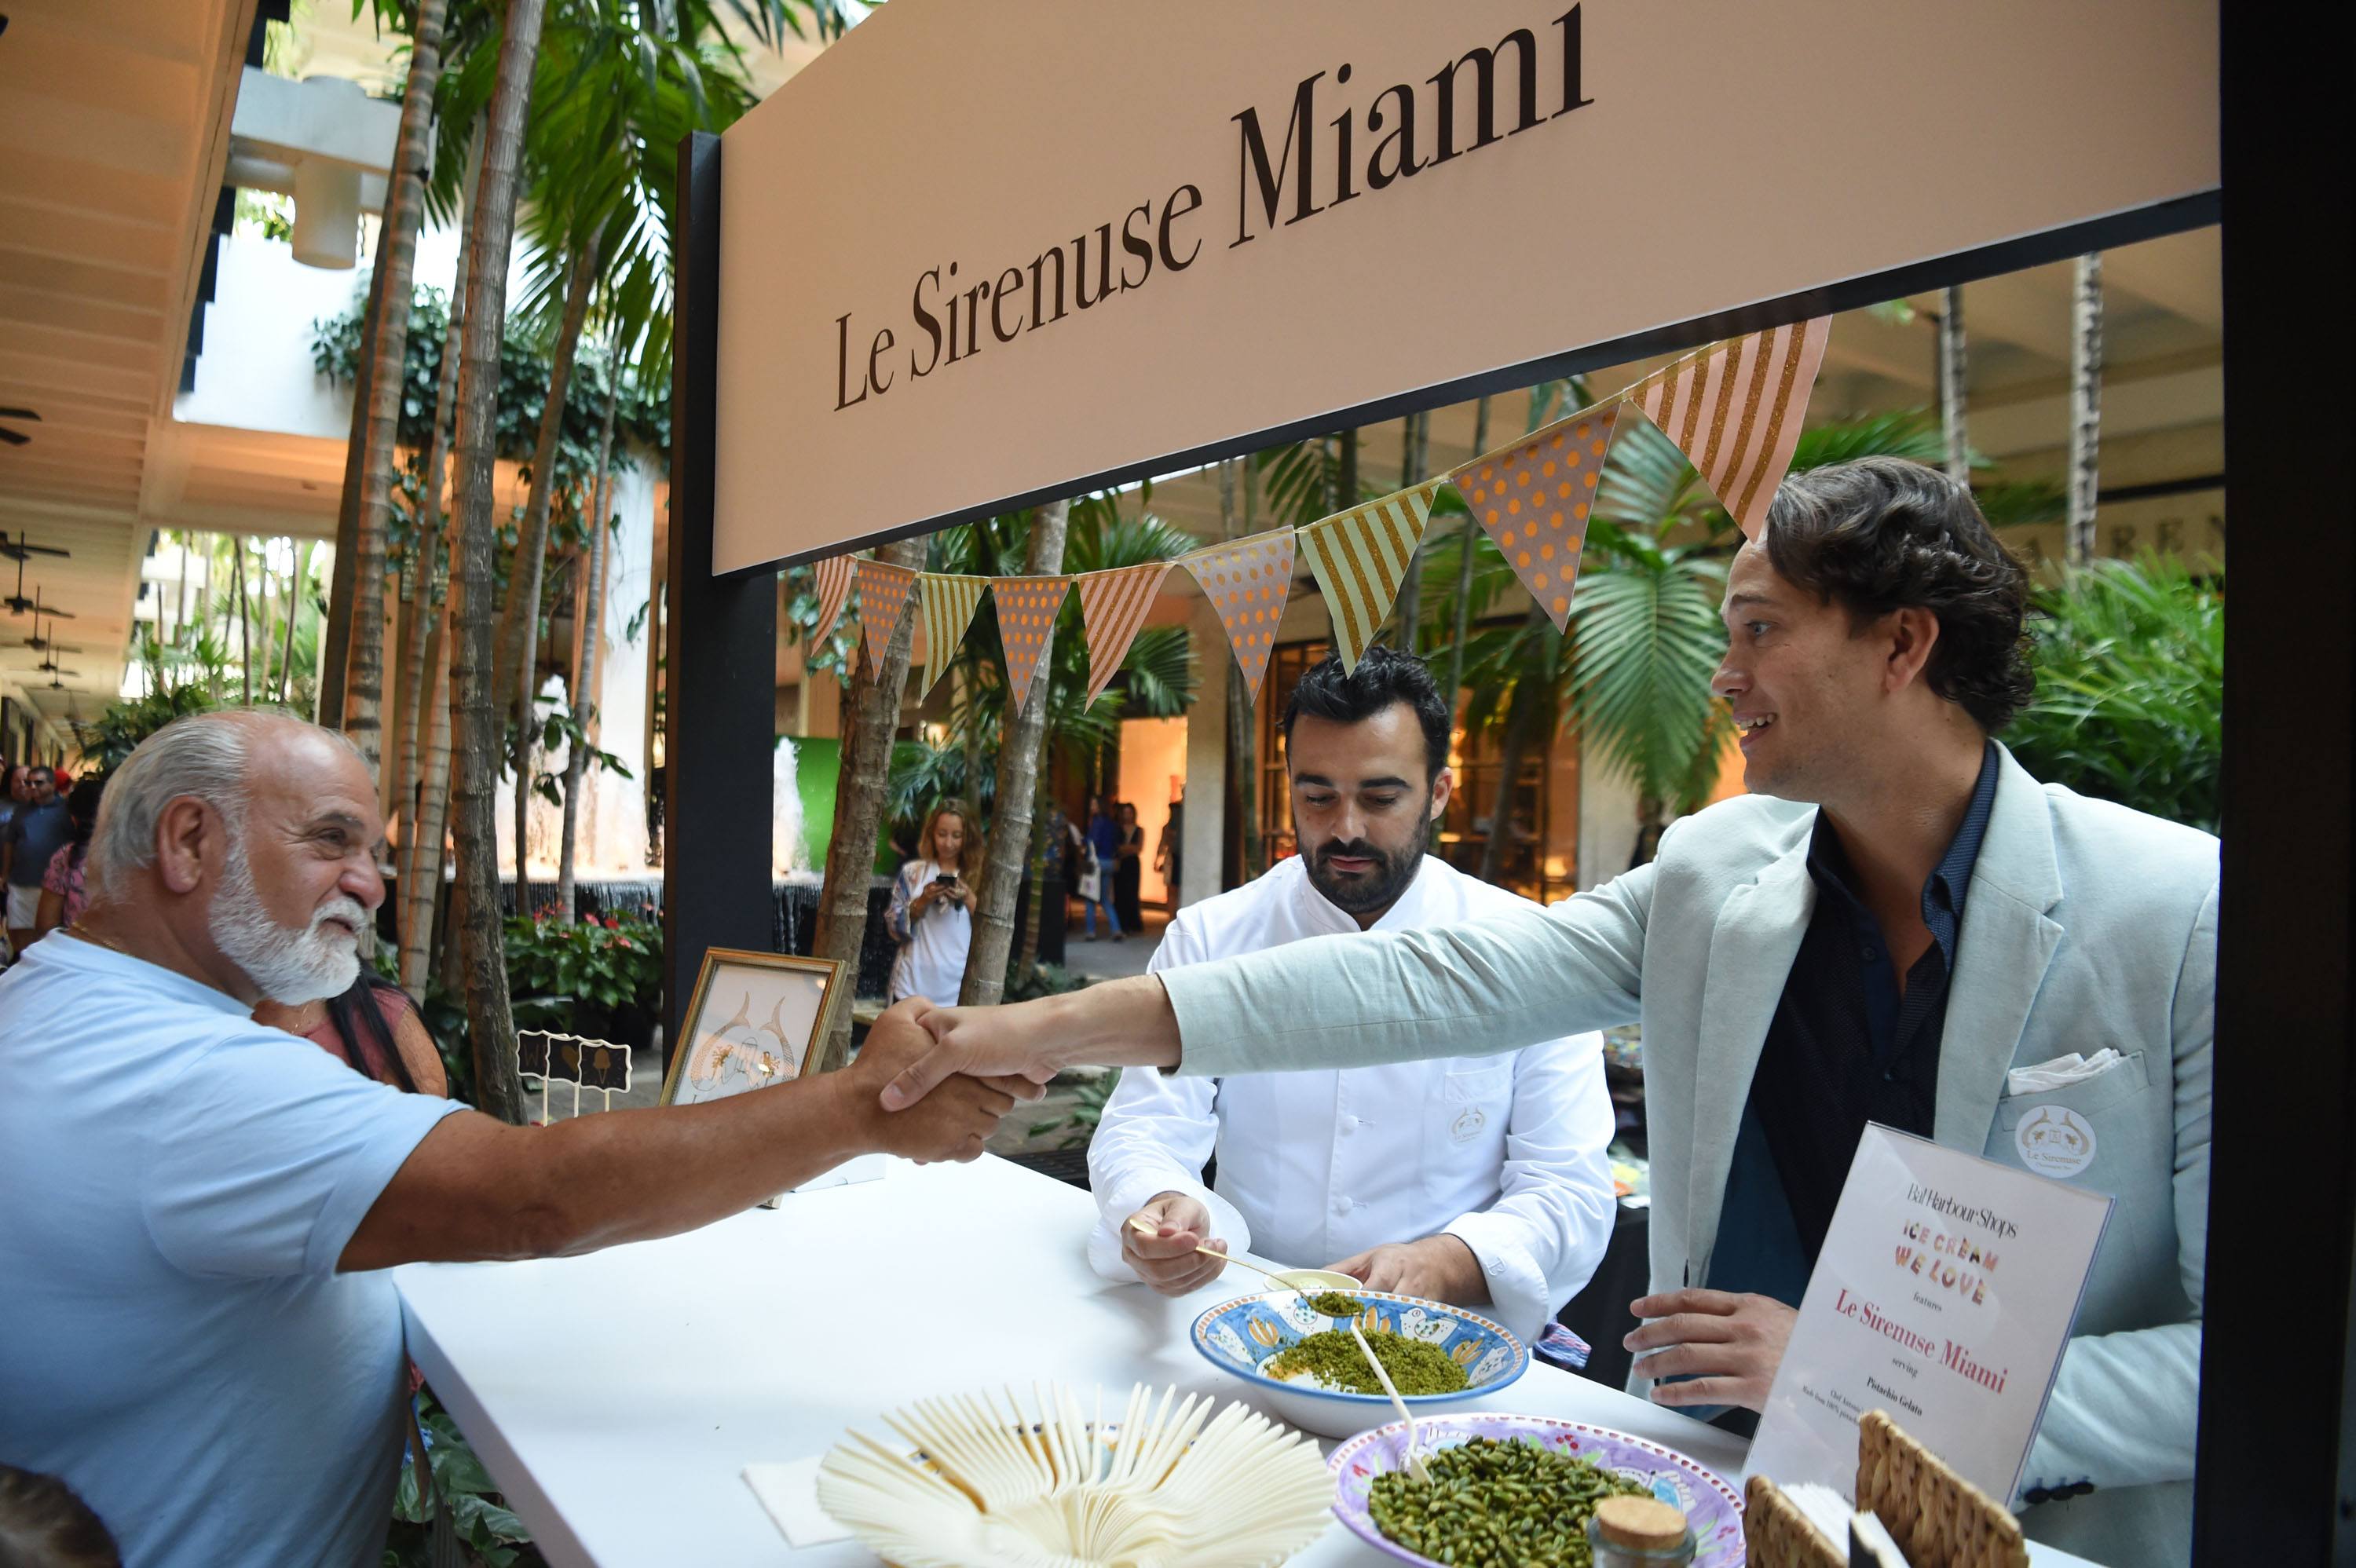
972	1484
1711	1507
1239	1337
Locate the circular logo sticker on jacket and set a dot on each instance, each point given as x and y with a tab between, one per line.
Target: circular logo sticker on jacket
2054	1140
1467	1128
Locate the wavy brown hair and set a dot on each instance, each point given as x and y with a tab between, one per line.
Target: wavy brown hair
970	858
1881	534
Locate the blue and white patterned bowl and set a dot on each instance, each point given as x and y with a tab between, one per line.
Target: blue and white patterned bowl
1238	1336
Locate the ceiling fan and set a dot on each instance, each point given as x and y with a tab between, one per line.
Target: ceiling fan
42	643
17	438
22	545
18	603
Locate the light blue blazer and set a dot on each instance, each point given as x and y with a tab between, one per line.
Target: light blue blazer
2088	925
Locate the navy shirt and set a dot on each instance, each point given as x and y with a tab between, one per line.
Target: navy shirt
37	832
1846	1047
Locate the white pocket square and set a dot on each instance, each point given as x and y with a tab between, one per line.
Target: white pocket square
2060	1073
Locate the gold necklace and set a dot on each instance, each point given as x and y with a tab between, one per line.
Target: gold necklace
81	932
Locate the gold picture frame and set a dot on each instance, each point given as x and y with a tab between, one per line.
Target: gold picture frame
772	1032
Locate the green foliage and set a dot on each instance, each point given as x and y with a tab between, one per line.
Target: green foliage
109	739
561	728
481	1517
611	963
2130	688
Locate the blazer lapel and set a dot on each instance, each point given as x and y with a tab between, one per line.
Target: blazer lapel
1756	937
2002	952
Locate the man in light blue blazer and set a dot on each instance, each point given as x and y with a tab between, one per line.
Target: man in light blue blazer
1898	924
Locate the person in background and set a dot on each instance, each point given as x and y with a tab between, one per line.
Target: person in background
1480	1181
932	906
39	829
1171	848
62	897
44	1525
373	1027
1129	869
1104	850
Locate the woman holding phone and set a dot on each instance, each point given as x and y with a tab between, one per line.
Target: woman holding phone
932	905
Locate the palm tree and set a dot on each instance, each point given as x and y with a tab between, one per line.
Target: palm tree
404	208
1950	384
1633	674
589	599
491	1025
2085	405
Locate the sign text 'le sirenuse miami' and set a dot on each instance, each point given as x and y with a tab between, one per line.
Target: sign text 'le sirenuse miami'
1279	180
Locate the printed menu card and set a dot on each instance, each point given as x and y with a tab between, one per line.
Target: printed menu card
1945	1296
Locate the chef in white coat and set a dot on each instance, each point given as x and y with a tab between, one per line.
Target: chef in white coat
1480	1181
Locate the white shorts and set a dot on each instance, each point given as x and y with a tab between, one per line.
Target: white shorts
24	906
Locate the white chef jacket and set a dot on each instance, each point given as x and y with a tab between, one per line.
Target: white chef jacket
1506	1153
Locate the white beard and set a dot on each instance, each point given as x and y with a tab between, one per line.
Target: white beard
290	967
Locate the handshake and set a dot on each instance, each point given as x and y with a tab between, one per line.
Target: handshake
958	1111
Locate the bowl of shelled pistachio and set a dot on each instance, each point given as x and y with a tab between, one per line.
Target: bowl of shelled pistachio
1306	1365
1519	1489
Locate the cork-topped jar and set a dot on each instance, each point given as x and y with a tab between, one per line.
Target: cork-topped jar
1638	1532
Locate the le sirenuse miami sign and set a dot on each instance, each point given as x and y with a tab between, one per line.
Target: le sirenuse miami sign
976	256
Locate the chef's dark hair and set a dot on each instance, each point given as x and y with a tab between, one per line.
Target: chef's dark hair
1384	676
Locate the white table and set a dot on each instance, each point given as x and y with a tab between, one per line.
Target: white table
616	1398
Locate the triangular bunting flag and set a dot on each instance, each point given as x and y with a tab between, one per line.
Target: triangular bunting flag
1112	607
1533	500
1362	557
883	594
833	591
949	604
1734	409
1248	581
1026	613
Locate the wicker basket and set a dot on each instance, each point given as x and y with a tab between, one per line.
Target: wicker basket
1938	1518
1776	1534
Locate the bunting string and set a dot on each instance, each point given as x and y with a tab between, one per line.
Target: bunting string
1734	408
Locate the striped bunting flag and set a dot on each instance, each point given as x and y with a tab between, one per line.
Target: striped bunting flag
883	594
948	602
1734	409
1026	614
1362	557
1248	581
1112	607
833	591
1532	499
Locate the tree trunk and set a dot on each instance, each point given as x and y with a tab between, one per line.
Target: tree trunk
1242	772
2086	406
1415	434
421	864
404	206
474	791
520	618
244	619
296	593
1021	741
588	606
871	718
1027	952
1521	724
1950	385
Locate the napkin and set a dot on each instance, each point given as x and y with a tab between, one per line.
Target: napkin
2060	1072
789	1493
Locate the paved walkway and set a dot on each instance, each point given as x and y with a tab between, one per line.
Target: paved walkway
1105	959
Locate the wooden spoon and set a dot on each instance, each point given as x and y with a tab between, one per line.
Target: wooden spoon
1145	1228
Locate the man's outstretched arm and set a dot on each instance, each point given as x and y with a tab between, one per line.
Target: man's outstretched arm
475	1189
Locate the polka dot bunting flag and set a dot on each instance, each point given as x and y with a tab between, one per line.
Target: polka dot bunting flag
1026	614
1533	500
883	595
1248	581
833	592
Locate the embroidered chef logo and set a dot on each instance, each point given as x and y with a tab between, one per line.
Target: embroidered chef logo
2055	1141
1467	1126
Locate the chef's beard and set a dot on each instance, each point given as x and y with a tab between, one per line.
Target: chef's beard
1376	890
290	967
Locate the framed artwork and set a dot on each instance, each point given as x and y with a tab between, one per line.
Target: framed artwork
755	1021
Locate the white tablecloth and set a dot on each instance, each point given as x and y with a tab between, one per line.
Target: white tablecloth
617	1398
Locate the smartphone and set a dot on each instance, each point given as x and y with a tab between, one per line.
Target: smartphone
946	879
